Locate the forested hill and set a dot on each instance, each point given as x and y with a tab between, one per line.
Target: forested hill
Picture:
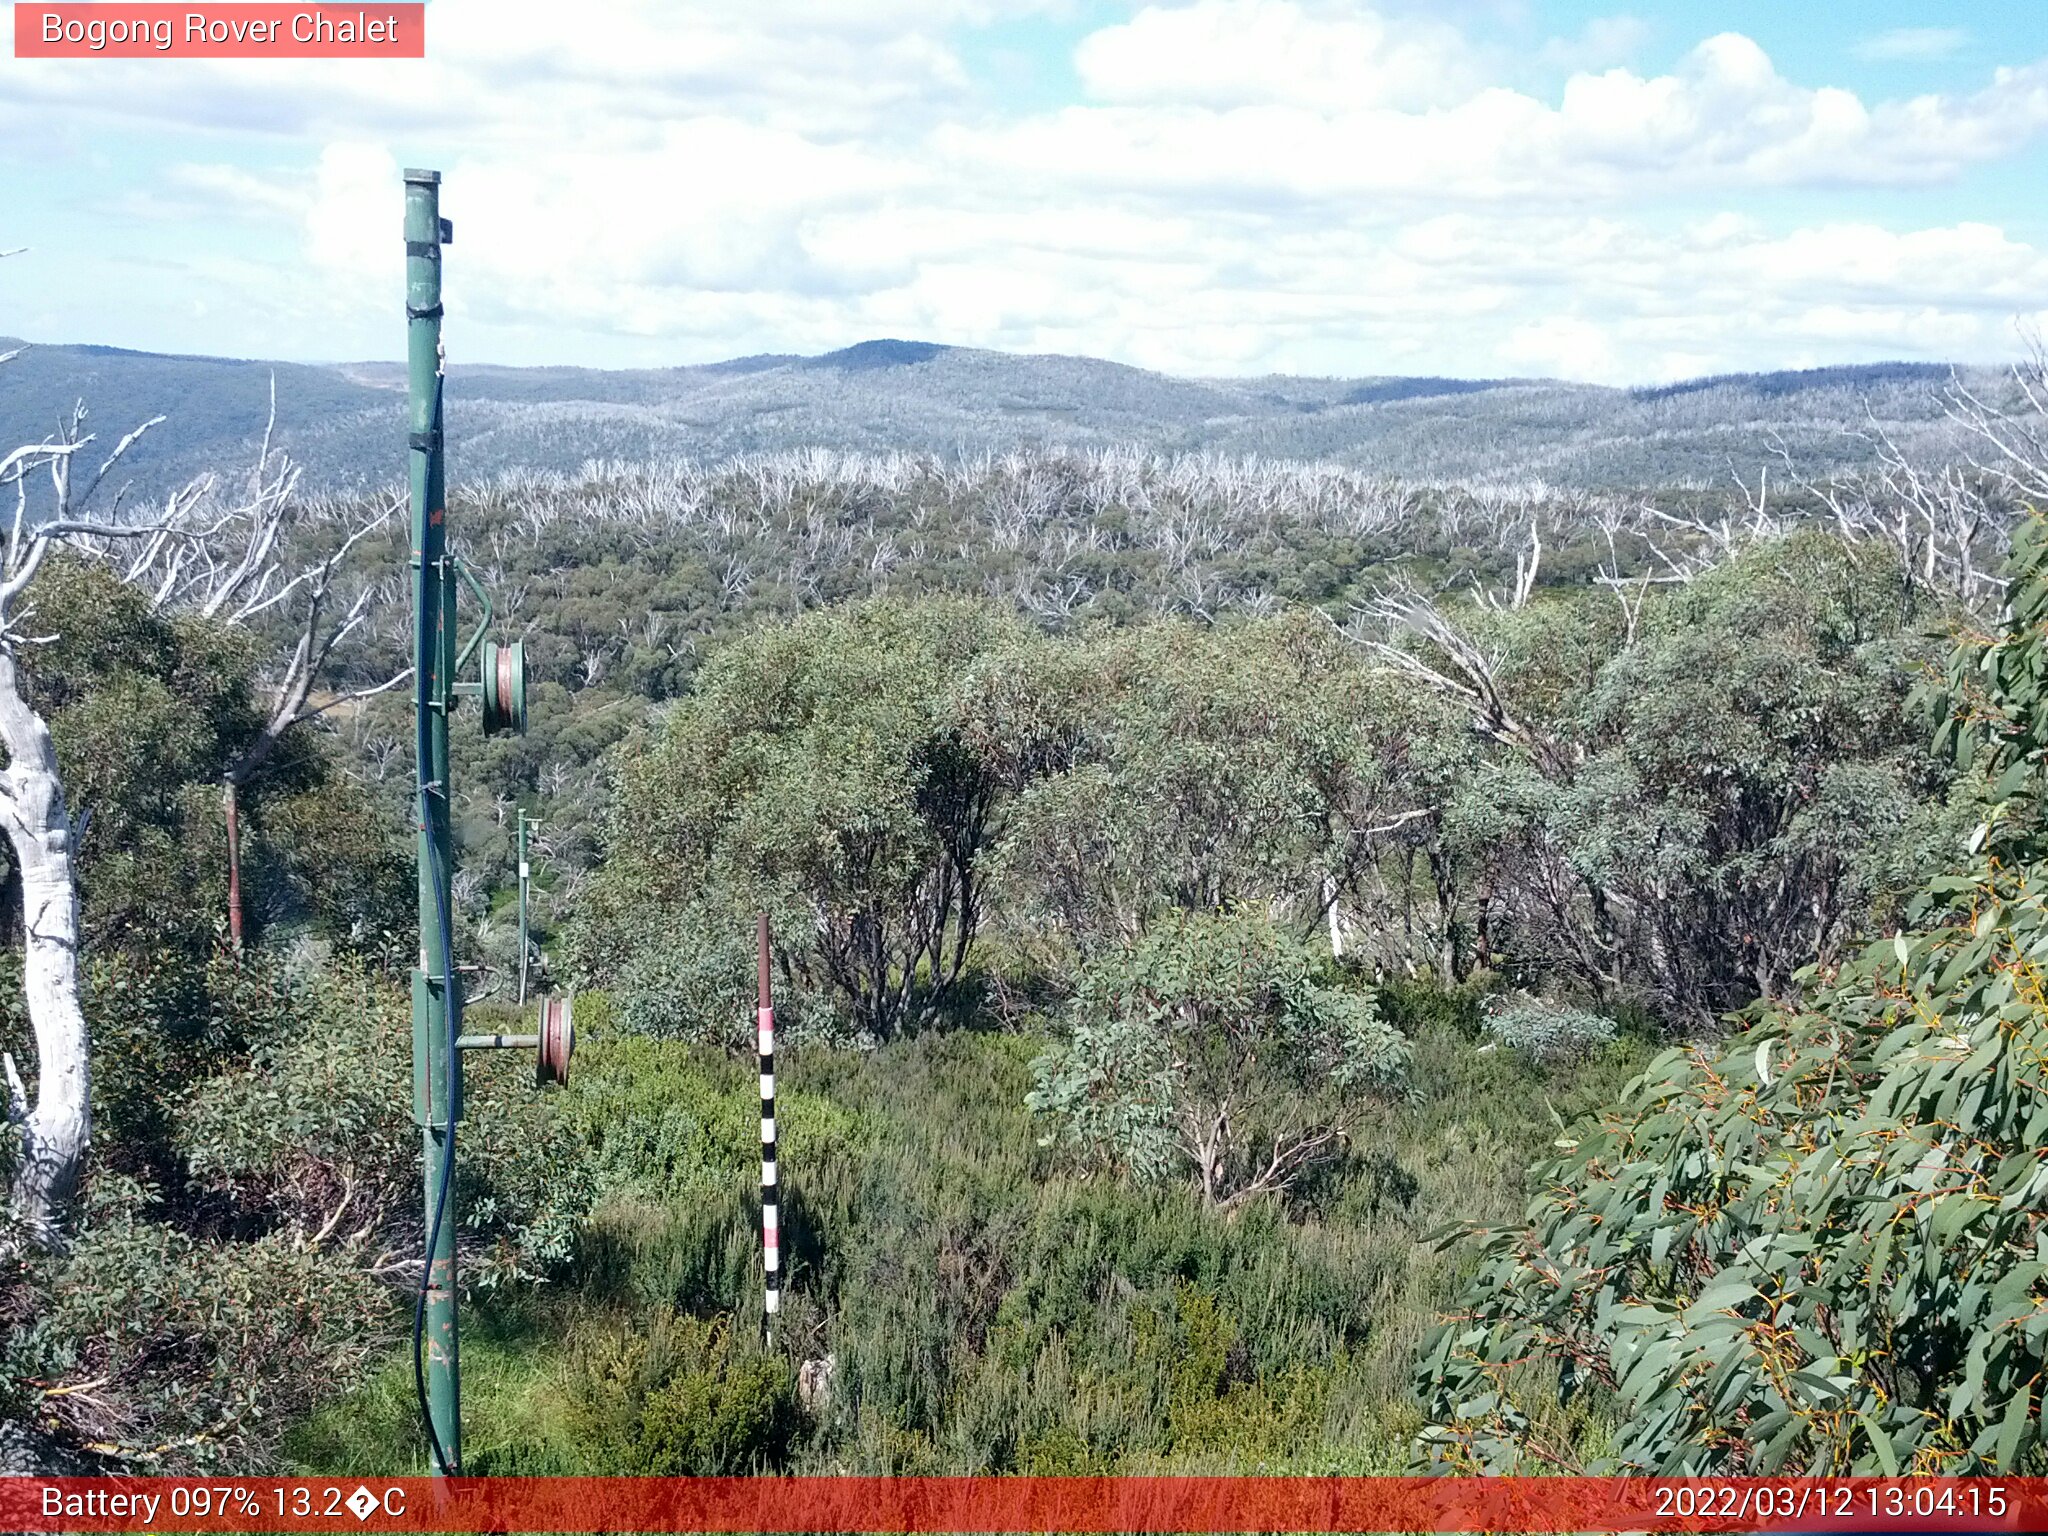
342	421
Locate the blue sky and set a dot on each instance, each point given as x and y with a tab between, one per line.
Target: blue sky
1477	187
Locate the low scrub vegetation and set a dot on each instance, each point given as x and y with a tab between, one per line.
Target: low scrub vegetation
1193	919
985	1302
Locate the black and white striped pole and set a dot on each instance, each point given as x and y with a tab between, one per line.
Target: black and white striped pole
771	1234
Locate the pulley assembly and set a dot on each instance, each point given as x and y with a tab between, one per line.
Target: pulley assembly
502	686
557	1039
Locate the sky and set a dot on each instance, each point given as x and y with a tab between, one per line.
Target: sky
1476	188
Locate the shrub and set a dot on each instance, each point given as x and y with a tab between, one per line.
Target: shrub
176	1353
681	1398
693	978
1547	1032
1208	1047
1818	1247
817	769
312	1133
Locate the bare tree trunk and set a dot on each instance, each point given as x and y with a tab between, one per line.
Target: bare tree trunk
57	1129
234	819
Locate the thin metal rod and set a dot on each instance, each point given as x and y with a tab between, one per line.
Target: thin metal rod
497	1042
524	943
771	1233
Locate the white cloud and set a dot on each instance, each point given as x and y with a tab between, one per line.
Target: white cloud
1723	119
1248	185
1913	44
1235	53
536	72
1564	347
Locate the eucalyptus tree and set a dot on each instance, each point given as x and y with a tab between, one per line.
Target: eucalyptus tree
1209	1049
1181	768
822	770
1818	1245
53	1127
1692	802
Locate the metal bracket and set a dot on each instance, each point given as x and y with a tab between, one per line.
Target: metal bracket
482	624
433	1116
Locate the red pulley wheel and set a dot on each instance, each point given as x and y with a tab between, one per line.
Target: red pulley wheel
501	683
557	1039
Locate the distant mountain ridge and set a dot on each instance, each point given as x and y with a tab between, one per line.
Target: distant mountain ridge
344	421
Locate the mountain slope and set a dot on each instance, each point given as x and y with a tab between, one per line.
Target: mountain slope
345	421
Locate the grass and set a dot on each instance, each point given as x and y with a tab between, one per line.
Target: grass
986	1308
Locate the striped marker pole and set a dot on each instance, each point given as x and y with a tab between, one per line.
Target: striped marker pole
771	1236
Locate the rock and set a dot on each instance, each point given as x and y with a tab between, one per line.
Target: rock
814	1380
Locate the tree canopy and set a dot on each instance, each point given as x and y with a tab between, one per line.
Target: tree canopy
1815	1246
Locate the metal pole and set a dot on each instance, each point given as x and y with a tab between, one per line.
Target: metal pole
436	992
525	877
771	1234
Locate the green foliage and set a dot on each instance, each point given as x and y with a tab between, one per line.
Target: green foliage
203	1299
1210	1044
313	1131
309	1124
987	1309
186	1327
817	770
1690	807
679	1397
1733	793
147	711
680	1126
1993	713
1547	1032
1174	768
144	711
179	1353
1817	1247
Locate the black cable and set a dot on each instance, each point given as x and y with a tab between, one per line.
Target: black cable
419	1314
424	745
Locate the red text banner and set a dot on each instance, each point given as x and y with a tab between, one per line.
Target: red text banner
1052	1504
235	30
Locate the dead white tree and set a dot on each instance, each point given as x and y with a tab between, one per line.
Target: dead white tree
1946	515
1454	666
248	562
52	1125
2009	442
1528	562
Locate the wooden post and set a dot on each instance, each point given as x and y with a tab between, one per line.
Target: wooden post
234	864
